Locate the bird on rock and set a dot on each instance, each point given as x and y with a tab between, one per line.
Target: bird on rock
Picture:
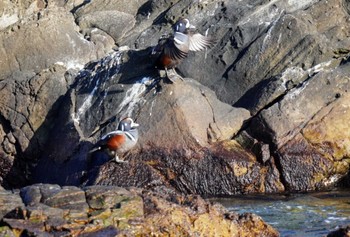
119	141
173	49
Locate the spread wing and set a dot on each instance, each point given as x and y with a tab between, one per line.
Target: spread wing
198	42
171	48
176	47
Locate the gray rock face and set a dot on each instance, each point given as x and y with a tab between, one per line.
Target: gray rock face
28	110
37	43
264	110
37	51
188	114
178	110
299	128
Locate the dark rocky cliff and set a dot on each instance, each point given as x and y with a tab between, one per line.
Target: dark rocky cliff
264	110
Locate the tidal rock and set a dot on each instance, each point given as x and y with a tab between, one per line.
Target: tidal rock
11	12
309	129
115	18
70	198
9	201
225	170
127	212
125	6
36	71
103	197
106	21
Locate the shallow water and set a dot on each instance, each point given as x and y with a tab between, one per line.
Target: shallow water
304	215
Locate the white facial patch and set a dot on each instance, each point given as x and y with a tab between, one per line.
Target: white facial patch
187	23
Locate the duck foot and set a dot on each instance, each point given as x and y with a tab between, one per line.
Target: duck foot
162	73
172	75
117	160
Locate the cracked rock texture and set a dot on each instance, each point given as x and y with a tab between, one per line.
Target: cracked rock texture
45	209
264	110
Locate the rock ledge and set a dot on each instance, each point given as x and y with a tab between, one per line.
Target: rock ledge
43	209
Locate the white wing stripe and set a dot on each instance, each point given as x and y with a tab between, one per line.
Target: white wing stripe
130	136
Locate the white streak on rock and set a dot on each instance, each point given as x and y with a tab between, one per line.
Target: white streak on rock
7	20
332	180
319	67
111	61
267	38
297	4
292	74
86	105
296	91
133	96
71	65
151	109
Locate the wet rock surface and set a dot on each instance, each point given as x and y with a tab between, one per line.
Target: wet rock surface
301	131
200	173
114	211
264	110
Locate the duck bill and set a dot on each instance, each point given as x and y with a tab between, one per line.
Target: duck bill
134	125
191	27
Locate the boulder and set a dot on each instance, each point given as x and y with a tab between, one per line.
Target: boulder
115	18
116	24
188	114
70	198
9	201
308	128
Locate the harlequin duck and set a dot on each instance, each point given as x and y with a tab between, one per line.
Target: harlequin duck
172	50
119	141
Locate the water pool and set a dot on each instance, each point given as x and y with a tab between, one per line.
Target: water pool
294	215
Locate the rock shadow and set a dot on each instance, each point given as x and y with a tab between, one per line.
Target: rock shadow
26	168
59	149
103	84
137	64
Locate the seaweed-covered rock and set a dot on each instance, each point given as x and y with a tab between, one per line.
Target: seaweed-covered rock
116	211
